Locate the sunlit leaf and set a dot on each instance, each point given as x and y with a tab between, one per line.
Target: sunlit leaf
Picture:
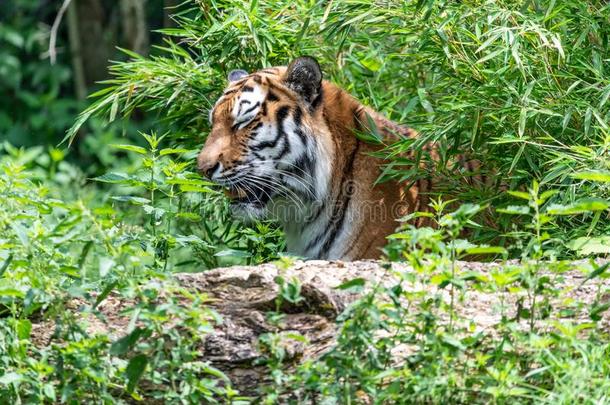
578	207
593	175
131	148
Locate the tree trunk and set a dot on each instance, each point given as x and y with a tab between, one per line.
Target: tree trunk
80	83
96	43
135	27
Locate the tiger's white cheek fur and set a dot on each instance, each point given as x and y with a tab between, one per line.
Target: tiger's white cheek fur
299	234
266	133
287	155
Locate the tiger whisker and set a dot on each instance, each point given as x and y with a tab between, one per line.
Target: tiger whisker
238	171
290	194
307	185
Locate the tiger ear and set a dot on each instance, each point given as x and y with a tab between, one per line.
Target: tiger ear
304	77
235	75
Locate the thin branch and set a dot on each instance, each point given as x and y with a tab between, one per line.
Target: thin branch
54	29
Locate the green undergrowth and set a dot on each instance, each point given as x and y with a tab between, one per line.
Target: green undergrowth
407	342
521	85
63	253
66	251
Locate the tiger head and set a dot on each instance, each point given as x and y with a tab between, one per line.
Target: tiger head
262	146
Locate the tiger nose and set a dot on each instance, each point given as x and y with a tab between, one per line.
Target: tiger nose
207	166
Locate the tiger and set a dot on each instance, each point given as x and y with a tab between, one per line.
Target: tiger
284	143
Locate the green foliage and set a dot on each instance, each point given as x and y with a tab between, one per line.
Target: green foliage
33	109
187	216
521	85
405	342
57	252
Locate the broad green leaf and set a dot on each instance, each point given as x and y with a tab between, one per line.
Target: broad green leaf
156	212
519	194
113	178
114	108
597	272
453	342
189	182
216	372
124	344
8	289
522	121
423	99
131	199
131	53
233	253
107	290
296	336
134	371
588	116
557	42
5	265
10	378
24	328
105	264
21	233
71	271
598	309
488	42
515	210
546	195
196	189
604	97
372	64
485	250
169	151
590	245
189	216
490	56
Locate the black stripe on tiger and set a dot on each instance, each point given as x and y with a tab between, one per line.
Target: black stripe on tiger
271	96
338	214
345	197
285	149
298	118
274	88
281	115
249	110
